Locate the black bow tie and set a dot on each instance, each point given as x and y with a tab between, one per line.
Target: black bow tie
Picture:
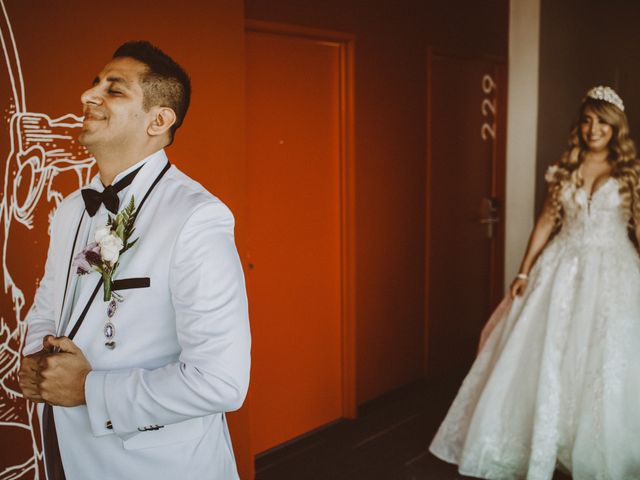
109	196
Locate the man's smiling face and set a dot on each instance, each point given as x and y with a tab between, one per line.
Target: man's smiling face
114	116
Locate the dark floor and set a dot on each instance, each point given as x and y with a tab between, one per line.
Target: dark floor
388	441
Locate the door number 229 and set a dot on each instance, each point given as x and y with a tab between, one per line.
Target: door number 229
488	108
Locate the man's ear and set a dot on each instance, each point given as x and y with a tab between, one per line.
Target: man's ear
162	120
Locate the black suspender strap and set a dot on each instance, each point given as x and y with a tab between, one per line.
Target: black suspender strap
73	249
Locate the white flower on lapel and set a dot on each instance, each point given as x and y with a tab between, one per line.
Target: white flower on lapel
102	233
110	246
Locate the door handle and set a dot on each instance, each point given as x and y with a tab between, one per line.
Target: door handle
489	214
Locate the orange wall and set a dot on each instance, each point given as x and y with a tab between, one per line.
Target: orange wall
64	44
390	70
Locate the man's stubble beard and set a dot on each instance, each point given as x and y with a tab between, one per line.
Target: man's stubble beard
93	147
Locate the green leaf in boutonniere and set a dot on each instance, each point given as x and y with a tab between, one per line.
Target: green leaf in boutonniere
128	246
120	230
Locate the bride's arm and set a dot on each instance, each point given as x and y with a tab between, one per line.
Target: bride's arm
537	241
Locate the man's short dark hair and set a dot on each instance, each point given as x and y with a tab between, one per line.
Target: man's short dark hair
165	84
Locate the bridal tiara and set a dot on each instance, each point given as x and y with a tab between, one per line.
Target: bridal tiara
606	94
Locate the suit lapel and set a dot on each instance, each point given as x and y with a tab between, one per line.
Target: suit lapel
84	300
76	243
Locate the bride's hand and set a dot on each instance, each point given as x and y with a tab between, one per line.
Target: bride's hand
517	287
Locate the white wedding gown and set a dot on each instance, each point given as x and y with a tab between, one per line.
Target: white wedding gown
558	381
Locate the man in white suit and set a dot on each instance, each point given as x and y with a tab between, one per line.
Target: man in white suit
139	378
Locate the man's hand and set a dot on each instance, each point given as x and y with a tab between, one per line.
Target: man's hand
62	374
29	376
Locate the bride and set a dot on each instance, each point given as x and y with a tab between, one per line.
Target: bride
557	382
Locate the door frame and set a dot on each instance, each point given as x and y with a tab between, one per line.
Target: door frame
498	185
346	44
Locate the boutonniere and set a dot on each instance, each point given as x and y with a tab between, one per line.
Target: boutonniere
103	255
110	242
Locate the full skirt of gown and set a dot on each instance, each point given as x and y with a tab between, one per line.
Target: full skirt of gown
557	383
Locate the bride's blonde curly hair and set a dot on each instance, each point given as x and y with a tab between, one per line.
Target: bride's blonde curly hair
622	157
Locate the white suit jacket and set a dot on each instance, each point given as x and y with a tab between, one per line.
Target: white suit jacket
182	350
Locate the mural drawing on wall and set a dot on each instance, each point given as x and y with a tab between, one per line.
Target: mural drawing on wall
42	163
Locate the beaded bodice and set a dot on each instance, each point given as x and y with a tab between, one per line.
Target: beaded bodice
599	220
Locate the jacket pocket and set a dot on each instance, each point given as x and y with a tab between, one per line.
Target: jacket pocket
128	283
168	434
